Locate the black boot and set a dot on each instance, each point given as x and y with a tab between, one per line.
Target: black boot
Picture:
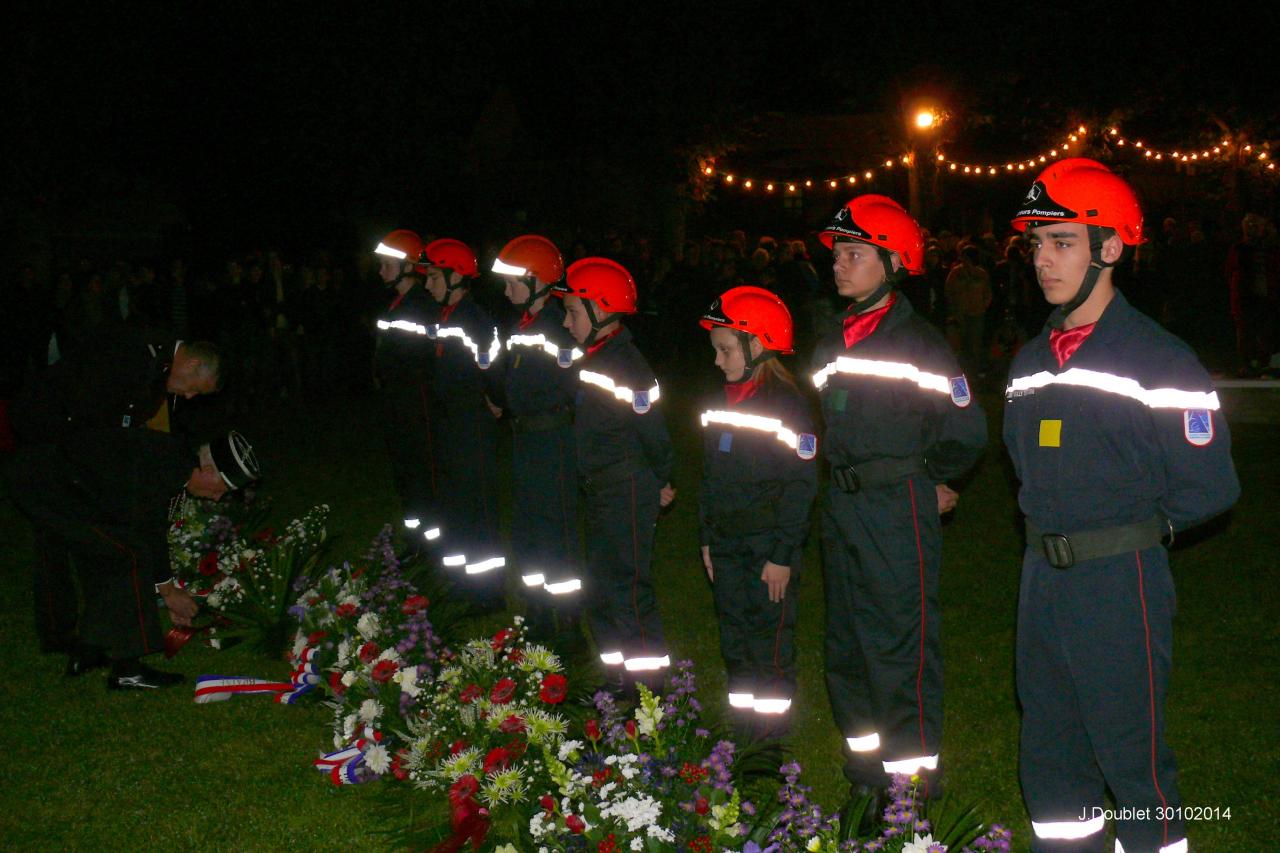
133	674
83	658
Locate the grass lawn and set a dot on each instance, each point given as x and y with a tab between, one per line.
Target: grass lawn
94	771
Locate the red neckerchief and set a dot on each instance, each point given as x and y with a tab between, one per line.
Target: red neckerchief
736	392
395	302
860	326
527	320
1065	342
592	349
446	311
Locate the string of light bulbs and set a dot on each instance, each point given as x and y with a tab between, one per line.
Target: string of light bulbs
1068	146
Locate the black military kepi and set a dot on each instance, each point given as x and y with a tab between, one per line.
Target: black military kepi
234	458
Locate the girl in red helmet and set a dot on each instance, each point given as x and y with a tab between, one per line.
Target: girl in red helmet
624	467
758	486
900	422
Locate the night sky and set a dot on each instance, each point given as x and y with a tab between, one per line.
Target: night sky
252	115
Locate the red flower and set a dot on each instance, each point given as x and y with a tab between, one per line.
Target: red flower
457	746
358	572
315	599
548	803
470	693
515	655
692	773
599	777
500	638
630	728
700	805
609	845
397	766
496	759
574	824
701	844
208	564
592	729
265	534
511	725
554	688
369	652
414	604
316	636
336	685
179	523
464	789
502	692
383	670
516	748
345	610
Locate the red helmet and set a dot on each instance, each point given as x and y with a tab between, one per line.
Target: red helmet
605	282
451	255
400	244
1082	190
530	255
755	311
880	221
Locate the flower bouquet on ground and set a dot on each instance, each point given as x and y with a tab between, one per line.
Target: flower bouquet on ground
653	781
245	580
794	823
487	734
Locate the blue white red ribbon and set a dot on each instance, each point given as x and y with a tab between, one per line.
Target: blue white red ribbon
305	678
219	688
343	765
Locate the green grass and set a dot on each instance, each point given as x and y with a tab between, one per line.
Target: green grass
89	770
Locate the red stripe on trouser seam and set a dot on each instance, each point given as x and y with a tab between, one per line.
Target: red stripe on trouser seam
1151	693
137	595
635	567
915	523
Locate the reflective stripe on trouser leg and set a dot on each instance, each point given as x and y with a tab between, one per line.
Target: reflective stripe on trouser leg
544	521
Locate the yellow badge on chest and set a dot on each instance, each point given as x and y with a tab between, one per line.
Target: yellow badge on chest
1050	433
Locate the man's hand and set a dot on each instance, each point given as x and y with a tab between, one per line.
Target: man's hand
667	495
706	563
947	498
182	607
493	410
776	577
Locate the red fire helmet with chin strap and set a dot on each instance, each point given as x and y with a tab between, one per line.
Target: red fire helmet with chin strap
753	311
1085	191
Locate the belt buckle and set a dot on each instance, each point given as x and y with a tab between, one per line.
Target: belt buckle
1057	550
847	479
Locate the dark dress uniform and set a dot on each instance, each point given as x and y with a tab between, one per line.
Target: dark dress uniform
1121	443
402	359
539	382
624	459
899	420
466	350
758	485
106	496
119	382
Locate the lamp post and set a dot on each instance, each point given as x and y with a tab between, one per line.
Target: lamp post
923	122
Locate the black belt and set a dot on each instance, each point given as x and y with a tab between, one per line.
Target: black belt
615	473
877	472
753	519
542	421
1064	550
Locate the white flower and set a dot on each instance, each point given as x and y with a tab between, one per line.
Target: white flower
249	554
506	848
390	654
299	643
637	843
814	845
377	759
569	747
348	727
918	844
407	678
370	710
368	626
344	652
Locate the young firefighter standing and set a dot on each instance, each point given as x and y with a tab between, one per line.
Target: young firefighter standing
900	422
624	467
464	390
402	363
1116	434
758	486
539	386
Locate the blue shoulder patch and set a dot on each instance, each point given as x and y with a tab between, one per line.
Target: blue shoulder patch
564	357
1197	426
806	445
641	402
960	391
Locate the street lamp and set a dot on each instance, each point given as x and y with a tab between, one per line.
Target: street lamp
925	121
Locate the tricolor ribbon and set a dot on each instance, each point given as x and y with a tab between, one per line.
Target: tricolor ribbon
305	678
219	688
343	765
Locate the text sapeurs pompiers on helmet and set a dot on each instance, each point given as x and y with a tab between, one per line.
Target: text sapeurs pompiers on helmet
602	283
752	312
535	260
1083	191
881	222
404	246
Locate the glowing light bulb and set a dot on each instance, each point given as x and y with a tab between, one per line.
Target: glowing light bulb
925	119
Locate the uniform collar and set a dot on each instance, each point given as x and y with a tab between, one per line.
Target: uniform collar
621	336
739	392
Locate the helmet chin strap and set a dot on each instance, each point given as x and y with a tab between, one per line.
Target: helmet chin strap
589	306
750	362
531	282
1058	318
891	279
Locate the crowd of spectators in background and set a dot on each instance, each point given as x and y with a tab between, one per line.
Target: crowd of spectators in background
303	328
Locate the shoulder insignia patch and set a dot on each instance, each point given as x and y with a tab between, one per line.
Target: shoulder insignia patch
641	402
806	445
1197	426
960	391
